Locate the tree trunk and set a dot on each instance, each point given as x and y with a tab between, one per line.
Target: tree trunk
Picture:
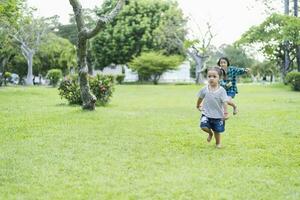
87	97
29	78
4	61
286	7
84	35
155	80
271	78
286	63
89	60
28	54
298	57
199	60
199	64
197	57
298	47
296	8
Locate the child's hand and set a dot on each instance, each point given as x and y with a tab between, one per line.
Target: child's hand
248	70
229	84
226	116
200	108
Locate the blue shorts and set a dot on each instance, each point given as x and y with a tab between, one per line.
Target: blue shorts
217	125
231	94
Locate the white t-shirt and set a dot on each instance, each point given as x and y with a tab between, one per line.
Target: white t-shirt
213	102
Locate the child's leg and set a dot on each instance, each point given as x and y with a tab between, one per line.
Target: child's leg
230	102
210	133
218	139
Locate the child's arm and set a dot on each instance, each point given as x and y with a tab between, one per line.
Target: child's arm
199	101
241	71
225	101
226	116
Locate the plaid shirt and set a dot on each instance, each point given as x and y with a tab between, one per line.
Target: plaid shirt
230	83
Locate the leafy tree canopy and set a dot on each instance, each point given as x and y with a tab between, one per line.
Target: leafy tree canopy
56	52
272	33
140	26
9	11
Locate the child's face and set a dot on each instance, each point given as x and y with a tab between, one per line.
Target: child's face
213	77
223	63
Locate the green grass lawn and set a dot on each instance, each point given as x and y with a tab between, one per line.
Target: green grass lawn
146	144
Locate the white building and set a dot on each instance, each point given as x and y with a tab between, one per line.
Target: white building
182	74
110	70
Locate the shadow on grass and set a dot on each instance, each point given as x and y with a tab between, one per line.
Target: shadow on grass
67	105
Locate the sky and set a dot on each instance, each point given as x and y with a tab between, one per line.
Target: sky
229	18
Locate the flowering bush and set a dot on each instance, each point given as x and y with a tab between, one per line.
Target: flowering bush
70	90
102	86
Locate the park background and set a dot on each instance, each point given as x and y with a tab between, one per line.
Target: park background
142	141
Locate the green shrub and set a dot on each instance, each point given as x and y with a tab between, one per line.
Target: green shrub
54	75
293	78
7	75
151	65
120	78
101	86
5	78
69	89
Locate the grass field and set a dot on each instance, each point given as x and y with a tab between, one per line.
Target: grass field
146	144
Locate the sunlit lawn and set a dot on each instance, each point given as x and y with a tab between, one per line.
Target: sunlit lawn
147	145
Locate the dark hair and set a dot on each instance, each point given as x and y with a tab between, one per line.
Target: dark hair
219	70
223	58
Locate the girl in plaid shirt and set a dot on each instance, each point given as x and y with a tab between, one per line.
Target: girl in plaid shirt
230	75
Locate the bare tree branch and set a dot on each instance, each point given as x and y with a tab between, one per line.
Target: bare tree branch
106	19
77	8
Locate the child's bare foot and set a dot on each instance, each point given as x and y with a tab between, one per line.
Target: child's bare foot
209	137
218	146
235	110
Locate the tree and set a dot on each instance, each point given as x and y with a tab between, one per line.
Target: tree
55	52
275	6
237	55
139	27
296	9
270	8
29	37
151	65
84	34
69	31
10	11
198	50
29	34
18	64
7	50
263	69
197	57
9	14
271	34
